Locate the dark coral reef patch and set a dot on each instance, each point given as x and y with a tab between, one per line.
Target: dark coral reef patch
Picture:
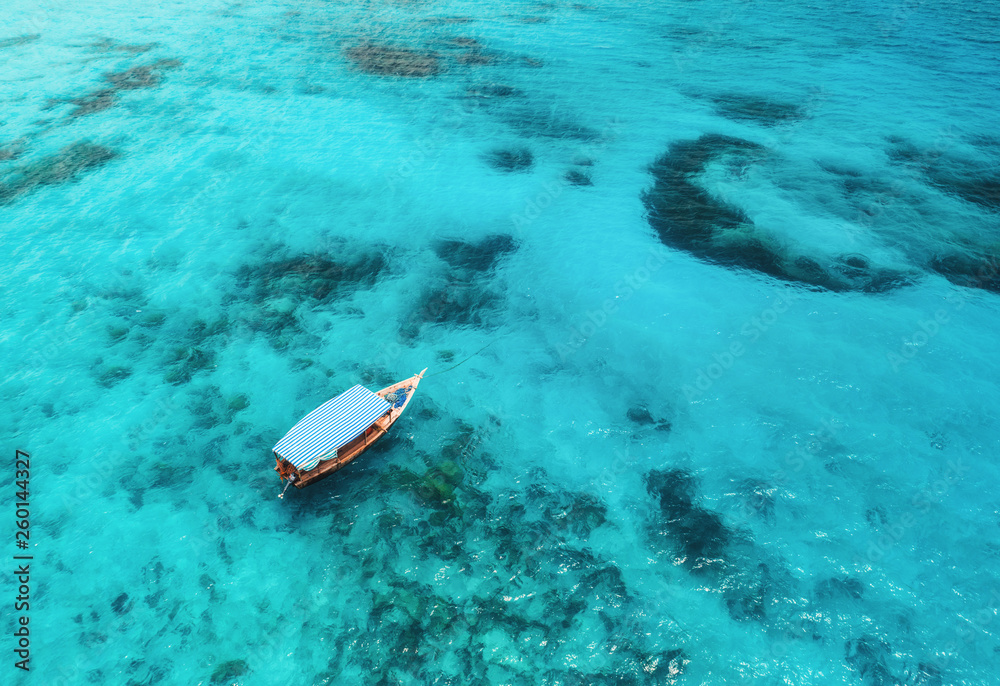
19	40
63	167
464	296
974	263
390	60
526	533
688	217
456	302
975	181
147	76
705	545
969	269
110	45
510	160
311	277
478	256
758	109
268	293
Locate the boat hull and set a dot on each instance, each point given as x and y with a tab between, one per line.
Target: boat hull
347	453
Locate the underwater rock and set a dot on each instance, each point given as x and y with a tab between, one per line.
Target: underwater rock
136	77
465	42
227	672
92	103
745	607
460	303
112	375
586	513
152	319
701	535
607	585
481	627
578	178
757	499
110	45
185	362
439	21
675	490
491	90
479	256
855	261
514	160
969	270
11	151
869	656
971	180
641	415
200	330
476	57
689	218
63	167
19	40
238	402
147	76
436	487
937	440
742	107
386	60
927	674
980	190
747	590
121	604
666	668
117	333
579	513
834	588
877	517
310	277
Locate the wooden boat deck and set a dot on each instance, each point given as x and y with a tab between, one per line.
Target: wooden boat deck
360	444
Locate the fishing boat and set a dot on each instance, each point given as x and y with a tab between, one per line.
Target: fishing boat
339	430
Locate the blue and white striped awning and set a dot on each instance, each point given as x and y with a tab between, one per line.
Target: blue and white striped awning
330	426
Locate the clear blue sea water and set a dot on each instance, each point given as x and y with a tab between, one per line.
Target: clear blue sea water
735	265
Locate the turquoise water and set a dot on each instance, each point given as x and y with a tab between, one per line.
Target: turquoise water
735	263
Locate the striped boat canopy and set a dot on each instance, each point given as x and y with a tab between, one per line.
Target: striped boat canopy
330	426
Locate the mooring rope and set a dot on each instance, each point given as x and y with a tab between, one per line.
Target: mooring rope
465	360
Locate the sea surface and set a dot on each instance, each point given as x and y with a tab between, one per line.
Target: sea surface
708	292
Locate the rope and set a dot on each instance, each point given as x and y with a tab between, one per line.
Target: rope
465	360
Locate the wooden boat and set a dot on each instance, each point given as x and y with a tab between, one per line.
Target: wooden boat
339	430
